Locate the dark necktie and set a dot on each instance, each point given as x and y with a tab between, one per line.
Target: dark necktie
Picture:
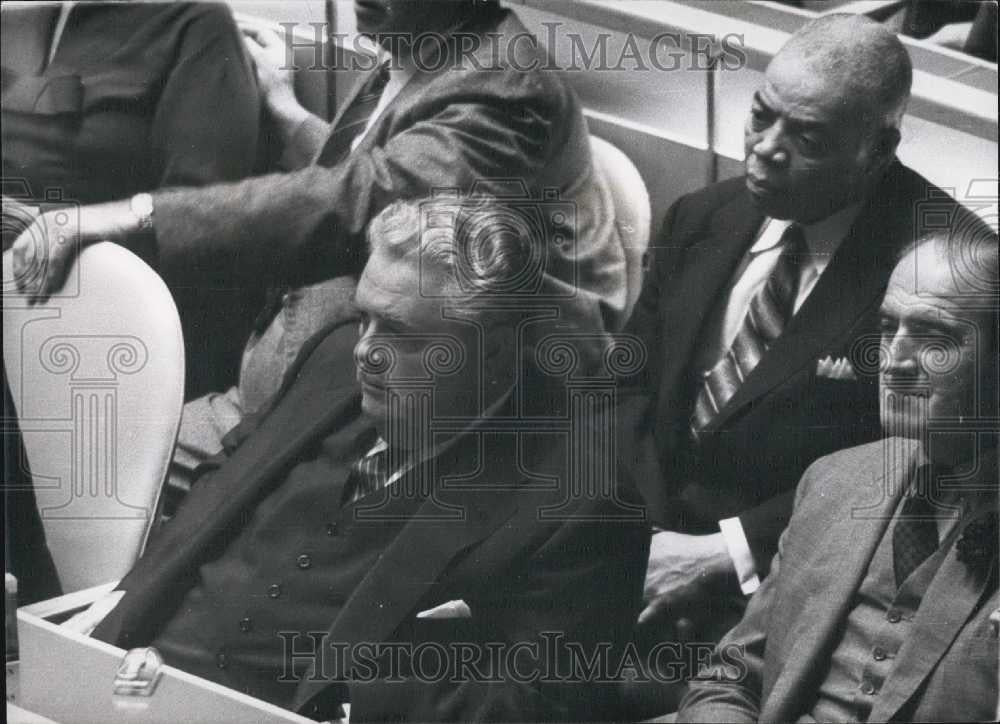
915	533
353	121
768	313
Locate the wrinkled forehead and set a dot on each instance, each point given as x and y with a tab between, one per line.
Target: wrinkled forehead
930	270
930	281
809	87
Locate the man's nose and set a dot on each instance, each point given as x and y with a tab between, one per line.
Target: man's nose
900	355
374	354
770	146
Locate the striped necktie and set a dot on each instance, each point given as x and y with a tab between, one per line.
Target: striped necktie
915	532
369	474
768	313
354	120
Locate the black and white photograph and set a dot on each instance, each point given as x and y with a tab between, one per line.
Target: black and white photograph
500	361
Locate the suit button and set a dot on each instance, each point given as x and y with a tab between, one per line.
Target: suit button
303	561
878	653
867	687
246	625
332	529
221	660
894	616
274	591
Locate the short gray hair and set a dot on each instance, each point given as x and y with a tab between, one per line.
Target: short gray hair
868	58
472	240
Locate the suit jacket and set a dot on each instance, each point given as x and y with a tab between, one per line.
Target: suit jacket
475	123
521	572
946	669
784	416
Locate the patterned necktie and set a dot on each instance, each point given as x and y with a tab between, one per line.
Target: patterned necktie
354	120
368	475
768	313
915	533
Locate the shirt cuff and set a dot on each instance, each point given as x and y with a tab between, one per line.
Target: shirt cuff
739	551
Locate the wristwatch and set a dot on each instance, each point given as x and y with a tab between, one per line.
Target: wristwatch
141	206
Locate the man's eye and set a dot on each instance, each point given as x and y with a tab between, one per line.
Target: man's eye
812	145
759	119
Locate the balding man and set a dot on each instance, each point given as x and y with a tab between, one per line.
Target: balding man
880	603
758	290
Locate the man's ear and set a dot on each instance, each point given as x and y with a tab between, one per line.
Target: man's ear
884	148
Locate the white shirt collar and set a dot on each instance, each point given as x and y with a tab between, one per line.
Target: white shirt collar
823	237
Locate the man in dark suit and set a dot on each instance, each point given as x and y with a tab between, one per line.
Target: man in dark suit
881	604
406	537
758	290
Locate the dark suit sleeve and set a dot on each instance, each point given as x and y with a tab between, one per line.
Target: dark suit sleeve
637	395
762	525
307	225
645	321
583	584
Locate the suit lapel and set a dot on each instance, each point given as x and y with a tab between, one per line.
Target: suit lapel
850	287
308	411
443	525
946	606
708	266
836	572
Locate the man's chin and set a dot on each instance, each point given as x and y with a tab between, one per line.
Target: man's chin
373	409
769	203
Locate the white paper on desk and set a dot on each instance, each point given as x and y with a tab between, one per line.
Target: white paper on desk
450	609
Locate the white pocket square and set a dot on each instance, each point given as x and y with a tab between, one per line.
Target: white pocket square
450	609
835	369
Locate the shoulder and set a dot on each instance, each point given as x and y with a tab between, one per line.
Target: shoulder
497	55
917	206
698	207
849	474
328	355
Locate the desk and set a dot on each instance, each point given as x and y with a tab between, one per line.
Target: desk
68	677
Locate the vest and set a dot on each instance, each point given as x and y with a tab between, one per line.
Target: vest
287	574
879	622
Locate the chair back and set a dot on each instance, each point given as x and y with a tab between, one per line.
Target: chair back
632	210
97	378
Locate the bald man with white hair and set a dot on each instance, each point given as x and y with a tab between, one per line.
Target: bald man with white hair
760	290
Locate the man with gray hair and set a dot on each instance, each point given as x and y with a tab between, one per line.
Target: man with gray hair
881	602
403	532
759	288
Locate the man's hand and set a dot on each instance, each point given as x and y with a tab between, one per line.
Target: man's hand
17	216
42	254
680	569
274	77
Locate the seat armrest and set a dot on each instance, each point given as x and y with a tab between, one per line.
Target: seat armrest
60	608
